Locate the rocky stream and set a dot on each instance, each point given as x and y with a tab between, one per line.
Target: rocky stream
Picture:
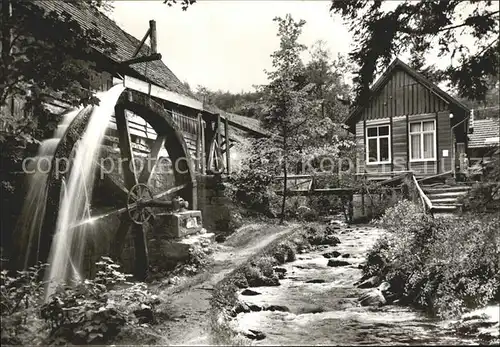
317	303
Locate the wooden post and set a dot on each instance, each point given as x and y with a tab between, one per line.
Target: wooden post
141	253
203	148
138	49
350	207
363	211
228	147
152	32
198	144
219	142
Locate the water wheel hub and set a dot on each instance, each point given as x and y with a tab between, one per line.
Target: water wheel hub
137	198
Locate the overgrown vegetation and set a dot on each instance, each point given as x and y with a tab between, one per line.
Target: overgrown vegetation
485	194
88	312
446	266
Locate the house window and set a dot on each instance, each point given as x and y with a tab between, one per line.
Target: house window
423	141
378	144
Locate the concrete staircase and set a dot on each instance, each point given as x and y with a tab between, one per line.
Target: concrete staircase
444	198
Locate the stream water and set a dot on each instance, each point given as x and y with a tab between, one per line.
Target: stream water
328	313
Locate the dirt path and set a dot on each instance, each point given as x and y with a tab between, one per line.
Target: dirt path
190	305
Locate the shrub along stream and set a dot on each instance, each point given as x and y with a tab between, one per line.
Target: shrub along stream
96	311
444	265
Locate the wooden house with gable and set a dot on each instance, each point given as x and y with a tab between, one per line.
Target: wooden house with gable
408	125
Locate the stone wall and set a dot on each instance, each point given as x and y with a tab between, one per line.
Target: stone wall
368	206
214	203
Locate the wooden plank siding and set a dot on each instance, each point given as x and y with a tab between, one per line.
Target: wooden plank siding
399	134
401	100
445	141
360	147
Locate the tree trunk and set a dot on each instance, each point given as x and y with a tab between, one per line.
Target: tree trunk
285	174
6	31
6	13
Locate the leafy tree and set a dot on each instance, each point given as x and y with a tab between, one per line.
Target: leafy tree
245	104
327	91
489	107
422	27
328	75
302	106
37	64
287	104
184	3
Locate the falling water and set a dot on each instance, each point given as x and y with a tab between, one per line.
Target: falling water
33	211
68	244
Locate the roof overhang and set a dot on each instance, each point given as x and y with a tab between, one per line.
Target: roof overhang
147	88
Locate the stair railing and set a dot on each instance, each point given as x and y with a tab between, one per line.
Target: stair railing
426	202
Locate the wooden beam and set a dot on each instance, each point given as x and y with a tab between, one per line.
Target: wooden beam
218	148
150	164
198	144
143	59
330	191
138	49
252	130
228	147
160	93
152	31
141	252
126	152
203	149
322	174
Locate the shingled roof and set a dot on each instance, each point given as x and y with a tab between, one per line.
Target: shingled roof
89	18
155	72
486	133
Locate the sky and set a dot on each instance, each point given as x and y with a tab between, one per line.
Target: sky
226	44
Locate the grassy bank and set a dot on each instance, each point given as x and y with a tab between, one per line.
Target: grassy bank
446	266
259	270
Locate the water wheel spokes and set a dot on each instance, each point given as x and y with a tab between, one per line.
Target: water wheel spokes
149	167
170	191
139	194
130	180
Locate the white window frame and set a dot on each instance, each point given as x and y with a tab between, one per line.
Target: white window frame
378	137
421	133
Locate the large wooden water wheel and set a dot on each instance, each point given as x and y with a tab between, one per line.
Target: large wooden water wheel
123	202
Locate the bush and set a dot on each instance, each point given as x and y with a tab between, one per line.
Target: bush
252	190
444	266
21	296
483	197
96	311
89	312
326	205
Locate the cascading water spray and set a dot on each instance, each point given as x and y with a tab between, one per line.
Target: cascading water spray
68	244
33	212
